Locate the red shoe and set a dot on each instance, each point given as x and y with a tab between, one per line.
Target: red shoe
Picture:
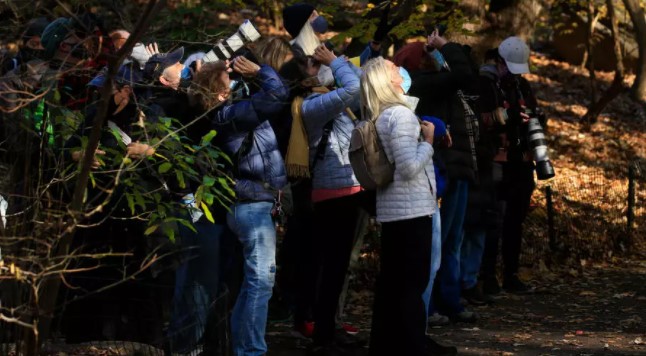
349	329
305	329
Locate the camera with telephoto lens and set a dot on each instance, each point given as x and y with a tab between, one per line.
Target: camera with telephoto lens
538	145
228	48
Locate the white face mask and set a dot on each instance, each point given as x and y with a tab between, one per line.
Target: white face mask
325	76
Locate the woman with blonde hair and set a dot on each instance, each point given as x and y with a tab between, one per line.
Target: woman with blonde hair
404	207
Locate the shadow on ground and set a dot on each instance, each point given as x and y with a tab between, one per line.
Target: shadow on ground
600	310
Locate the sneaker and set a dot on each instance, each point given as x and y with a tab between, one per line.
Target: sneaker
304	330
438	320
348	328
465	316
475	296
436	349
491	286
513	284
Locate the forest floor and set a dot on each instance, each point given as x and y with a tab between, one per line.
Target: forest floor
600	311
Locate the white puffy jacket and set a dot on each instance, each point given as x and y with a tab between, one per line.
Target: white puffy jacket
412	192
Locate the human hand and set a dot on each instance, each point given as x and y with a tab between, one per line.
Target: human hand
139	150
96	163
434	40
428	130
245	67
152	49
323	55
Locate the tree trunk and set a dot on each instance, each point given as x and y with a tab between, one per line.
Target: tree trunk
638	90
617	86
589	49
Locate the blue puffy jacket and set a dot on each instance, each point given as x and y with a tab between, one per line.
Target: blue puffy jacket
333	171
260	169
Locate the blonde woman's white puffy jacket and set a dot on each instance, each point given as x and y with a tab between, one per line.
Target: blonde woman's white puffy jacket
412	192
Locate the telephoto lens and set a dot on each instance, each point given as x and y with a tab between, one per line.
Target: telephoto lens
227	49
538	145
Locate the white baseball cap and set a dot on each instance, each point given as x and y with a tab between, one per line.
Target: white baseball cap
515	52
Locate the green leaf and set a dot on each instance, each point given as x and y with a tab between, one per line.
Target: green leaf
206	139
170	233
131	203
165	167
180	179
208	198
208	181
187	224
151	229
207	213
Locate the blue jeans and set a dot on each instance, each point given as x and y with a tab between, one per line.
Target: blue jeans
196	283
253	225
436	258
453	209
471	258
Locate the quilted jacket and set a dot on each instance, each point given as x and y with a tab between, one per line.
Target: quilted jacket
334	170
260	170
412	192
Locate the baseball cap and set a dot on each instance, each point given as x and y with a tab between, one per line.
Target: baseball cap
515	52
160	61
127	75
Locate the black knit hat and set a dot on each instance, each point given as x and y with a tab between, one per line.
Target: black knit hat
295	16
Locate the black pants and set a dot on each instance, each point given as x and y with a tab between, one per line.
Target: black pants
334	228
297	275
516	193
399	317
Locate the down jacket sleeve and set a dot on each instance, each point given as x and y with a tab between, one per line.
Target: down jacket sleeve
409	155
318	110
246	115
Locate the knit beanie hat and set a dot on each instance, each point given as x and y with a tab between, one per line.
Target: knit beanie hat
295	17
54	34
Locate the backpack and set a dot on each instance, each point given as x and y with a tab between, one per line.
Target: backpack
368	158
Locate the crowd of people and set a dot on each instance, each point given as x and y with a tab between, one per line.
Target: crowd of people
285	111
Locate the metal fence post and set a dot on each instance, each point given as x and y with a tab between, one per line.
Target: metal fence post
550	218
630	214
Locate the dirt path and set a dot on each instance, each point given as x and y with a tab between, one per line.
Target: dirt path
598	311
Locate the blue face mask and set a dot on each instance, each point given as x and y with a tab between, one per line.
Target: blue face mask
407	81
439	59
319	24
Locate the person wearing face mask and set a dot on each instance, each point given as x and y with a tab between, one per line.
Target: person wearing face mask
404	208
328	118
441	90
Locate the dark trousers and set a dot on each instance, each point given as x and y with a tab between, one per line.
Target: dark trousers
334	229
516	192
297	275
399	317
